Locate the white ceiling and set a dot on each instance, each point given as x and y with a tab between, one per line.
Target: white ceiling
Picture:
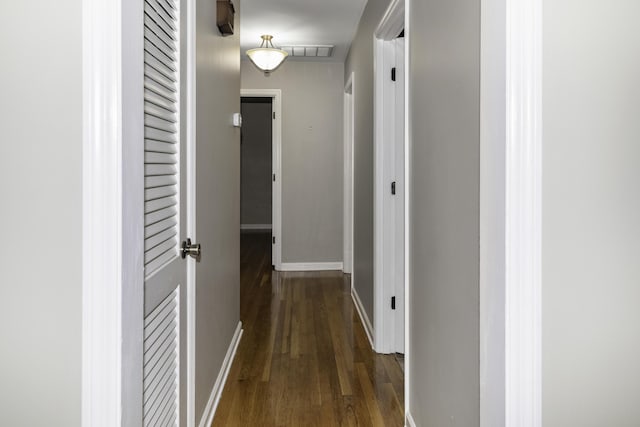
301	22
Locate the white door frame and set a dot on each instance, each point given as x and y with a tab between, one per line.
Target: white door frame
113	225
347	227
276	158
391	24
113	278
510	213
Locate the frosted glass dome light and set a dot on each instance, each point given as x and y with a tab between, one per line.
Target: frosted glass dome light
266	57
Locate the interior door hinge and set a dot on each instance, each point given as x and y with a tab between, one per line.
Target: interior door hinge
274	177
393	188
274	115
273	239
393	74
393	303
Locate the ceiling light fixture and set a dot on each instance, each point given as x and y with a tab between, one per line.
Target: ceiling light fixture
266	57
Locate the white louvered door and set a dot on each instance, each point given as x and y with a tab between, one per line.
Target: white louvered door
164	364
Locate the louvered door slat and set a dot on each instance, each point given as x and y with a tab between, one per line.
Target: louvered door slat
159	147
167	17
155	21
161	363
151	62
157	54
159	226
160	112
161	133
159	77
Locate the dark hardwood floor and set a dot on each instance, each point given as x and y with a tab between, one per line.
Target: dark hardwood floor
304	358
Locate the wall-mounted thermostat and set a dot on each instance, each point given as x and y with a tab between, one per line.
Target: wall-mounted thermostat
237	120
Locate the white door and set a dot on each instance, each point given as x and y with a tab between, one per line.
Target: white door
164	363
399	200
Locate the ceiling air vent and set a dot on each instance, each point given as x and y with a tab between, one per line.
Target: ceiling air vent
311	51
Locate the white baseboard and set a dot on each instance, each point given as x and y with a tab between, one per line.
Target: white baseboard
410	422
364	319
255	227
310	266
218	387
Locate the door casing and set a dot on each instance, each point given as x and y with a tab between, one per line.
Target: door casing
276	158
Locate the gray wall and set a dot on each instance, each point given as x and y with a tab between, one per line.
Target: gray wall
444	216
218	197
360	62
41	175
255	163
591	214
312	150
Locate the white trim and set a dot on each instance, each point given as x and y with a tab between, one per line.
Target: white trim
218	387
348	143
191	230
310	266
410	422
102	193
276	142
523	229
407	212
362	313
112	278
383	55
255	226
392	22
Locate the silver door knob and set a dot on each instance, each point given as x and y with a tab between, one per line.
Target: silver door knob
191	249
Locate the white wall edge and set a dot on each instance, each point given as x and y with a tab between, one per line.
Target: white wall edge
276	140
407	211
218	387
310	266
255	226
347	184
362	314
191	208
523	232
409	421
112	280
102	193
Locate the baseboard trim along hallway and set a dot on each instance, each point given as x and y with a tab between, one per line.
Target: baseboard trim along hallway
218	387
311	266
364	319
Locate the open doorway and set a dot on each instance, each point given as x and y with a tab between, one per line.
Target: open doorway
390	184
255	165
260	167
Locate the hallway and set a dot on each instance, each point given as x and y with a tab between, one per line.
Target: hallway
304	358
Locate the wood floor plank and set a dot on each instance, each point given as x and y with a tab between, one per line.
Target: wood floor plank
304	359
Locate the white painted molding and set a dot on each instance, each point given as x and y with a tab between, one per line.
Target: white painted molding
190	123
310	266
255	226
364	319
112	280
102	195
347	192
212	404
523	232
389	27
410	421
407	212
392	22
276	154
